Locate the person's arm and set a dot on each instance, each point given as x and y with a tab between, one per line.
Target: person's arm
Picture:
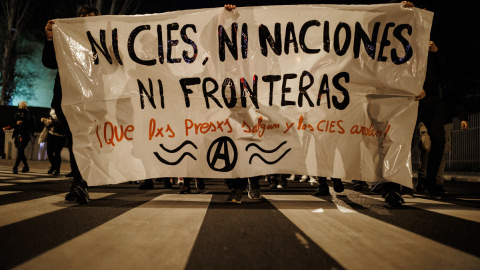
48	56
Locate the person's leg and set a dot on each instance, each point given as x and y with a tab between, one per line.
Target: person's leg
185	189
199	184
254	188
441	169
51	152
237	186
59	142
433	121
79	187
322	189
147	184
21	157
18	160
424	145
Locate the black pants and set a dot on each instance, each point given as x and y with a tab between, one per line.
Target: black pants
21	157
240	183
68	135
431	114
54	149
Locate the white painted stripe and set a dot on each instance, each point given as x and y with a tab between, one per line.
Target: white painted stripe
6	184
5	193
159	234
16	212
357	241
36	180
23	175
445	208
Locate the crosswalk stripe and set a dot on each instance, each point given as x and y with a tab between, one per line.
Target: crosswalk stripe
454	210
7	192
36	180
16	212
359	242
6	184
156	235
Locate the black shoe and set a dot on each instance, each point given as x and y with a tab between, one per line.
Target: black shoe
440	190
394	199
70	174
71	196
199	184
338	185
254	190
166	183
51	171
358	185
25	169
56	173
185	190
235	196
431	190
322	189
147	184
419	188
420	185
81	190
15	170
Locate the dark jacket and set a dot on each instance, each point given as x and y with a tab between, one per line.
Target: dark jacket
22	132
50	61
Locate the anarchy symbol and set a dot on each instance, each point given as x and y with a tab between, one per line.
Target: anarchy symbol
222	146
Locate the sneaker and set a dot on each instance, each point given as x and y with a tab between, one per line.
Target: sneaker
185	190
81	190
394	199
199	184
25	169
147	184
180	181
304	178
322	189
338	185
254	190
235	196
291	178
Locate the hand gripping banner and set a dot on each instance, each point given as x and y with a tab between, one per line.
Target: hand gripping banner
323	90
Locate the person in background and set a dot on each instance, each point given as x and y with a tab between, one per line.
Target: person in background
23	128
79	188
55	142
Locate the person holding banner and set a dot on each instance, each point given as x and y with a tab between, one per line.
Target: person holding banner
79	188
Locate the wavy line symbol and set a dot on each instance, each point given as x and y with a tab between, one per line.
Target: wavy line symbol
267	151
175	150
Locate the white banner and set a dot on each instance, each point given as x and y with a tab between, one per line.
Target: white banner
324	90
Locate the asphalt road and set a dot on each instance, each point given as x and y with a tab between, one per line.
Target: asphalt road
127	228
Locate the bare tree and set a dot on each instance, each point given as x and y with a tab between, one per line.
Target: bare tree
14	14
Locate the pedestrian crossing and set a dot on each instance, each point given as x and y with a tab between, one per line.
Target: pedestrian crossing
124	228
